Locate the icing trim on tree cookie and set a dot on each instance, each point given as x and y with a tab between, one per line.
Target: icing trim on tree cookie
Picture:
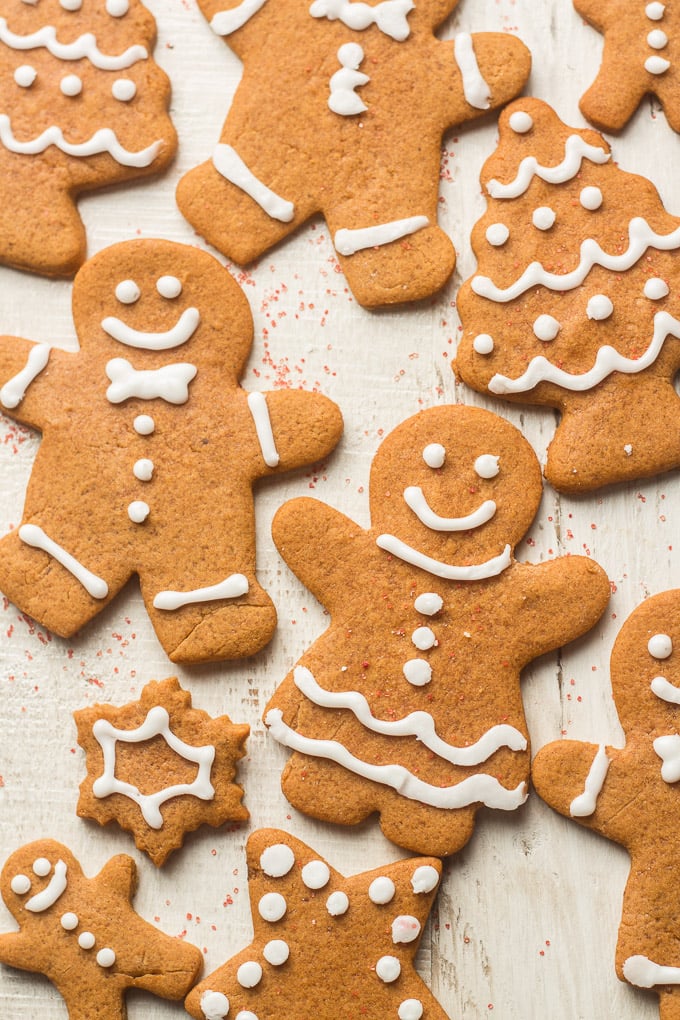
576	149
84	46
103	141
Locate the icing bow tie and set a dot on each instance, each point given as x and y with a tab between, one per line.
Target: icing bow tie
668	749
171	382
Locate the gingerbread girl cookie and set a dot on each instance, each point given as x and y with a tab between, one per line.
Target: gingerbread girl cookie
341	110
150	450
84	935
82	106
409	704
631	795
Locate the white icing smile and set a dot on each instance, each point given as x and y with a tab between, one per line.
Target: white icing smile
183	330
52	891
416	501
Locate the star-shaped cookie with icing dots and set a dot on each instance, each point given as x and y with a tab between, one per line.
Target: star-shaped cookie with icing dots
325	946
160	768
84	935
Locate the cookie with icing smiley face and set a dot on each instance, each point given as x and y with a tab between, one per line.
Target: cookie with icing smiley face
409	705
149	454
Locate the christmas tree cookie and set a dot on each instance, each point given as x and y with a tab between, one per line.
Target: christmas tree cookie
631	794
341	110
82	106
409	704
575	299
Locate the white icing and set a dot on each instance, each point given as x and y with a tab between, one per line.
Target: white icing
546	327
226	22
84	46
486	466
127	292
543	218
41	867
657	39
389	15
450	571
144	425
102	141
347	241
249	974
405	929
655	289
418	672
170	382
257	404
660	646
106	957
497	234
169	287
123	89
315	875
424	879
183	330
665	690
71	5
429	603
25	75
277	860
668	749
416	501
423	638
272	906
138	511
599	307
521	122
410	1009
343	99
434	455
655	11
276	952
575	151
475	89
381	890
483	343
20	884
156	724
143	469
643	973
388	969
71	85
232	587
69	921
34	536
214	1005
14	390
628	449
117	8
229	164
657	65
86	940
586	802
48	896
590	198
337	903
246	1014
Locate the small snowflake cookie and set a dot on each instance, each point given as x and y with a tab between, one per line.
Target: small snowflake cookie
409	705
574	304
159	767
82	106
341	111
149	453
632	795
325	946
84	935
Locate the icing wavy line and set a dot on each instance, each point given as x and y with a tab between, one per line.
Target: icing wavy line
575	151
640	238
103	140
84	46
449	571
415	500
416	724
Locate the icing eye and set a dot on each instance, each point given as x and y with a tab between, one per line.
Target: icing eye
127	292
123	89
434	455
486	466
20	884
25	75
71	5
117	8
42	867
660	646
71	85
169	286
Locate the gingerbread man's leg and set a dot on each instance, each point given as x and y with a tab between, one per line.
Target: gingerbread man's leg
669	1004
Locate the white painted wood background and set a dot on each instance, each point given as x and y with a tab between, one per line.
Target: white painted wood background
526	921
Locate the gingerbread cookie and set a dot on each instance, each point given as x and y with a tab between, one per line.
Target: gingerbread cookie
631	796
84	935
409	705
341	110
82	106
325	946
573	305
150	450
160	768
636	61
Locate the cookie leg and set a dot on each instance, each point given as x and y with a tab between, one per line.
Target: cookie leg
435	832
322	789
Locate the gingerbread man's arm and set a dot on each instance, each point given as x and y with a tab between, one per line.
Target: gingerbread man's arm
17	949
489	69
119	875
294	428
29	377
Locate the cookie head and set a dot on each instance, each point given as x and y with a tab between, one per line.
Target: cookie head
35	878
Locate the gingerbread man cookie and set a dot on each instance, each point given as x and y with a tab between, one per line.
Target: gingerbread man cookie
636	61
150	450
631	795
325	946
84	935
82	106
574	303
409	704
341	110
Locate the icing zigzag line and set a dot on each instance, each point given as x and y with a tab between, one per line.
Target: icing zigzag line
102	141
84	46
575	151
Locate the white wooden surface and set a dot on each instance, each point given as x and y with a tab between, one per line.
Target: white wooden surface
526	921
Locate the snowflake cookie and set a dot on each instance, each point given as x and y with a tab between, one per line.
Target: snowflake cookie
341	110
159	767
84	935
149	454
631	794
575	303
325	946
82	106
409	704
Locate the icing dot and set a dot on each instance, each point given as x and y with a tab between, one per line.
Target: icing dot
106	957
215	1005
277	860
657	65
660	646
418	672
486	466
117	8
497	234
169	286
71	5
276	952
123	89
249	974
144	425
388	968
544	217
483	343
143	469
424	879
591	198
428	603
434	455
521	122
655	11
69	921
127	292
546	327
272	906
381	890
71	85
25	76
138	511
405	928
86	940
423	638
42	867
337	903
656	288
410	1009
599	307
20	884
246	1014
316	874
657	39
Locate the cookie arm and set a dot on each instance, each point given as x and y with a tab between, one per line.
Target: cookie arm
294	428
119	875
489	69
24	368
18	950
601	13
